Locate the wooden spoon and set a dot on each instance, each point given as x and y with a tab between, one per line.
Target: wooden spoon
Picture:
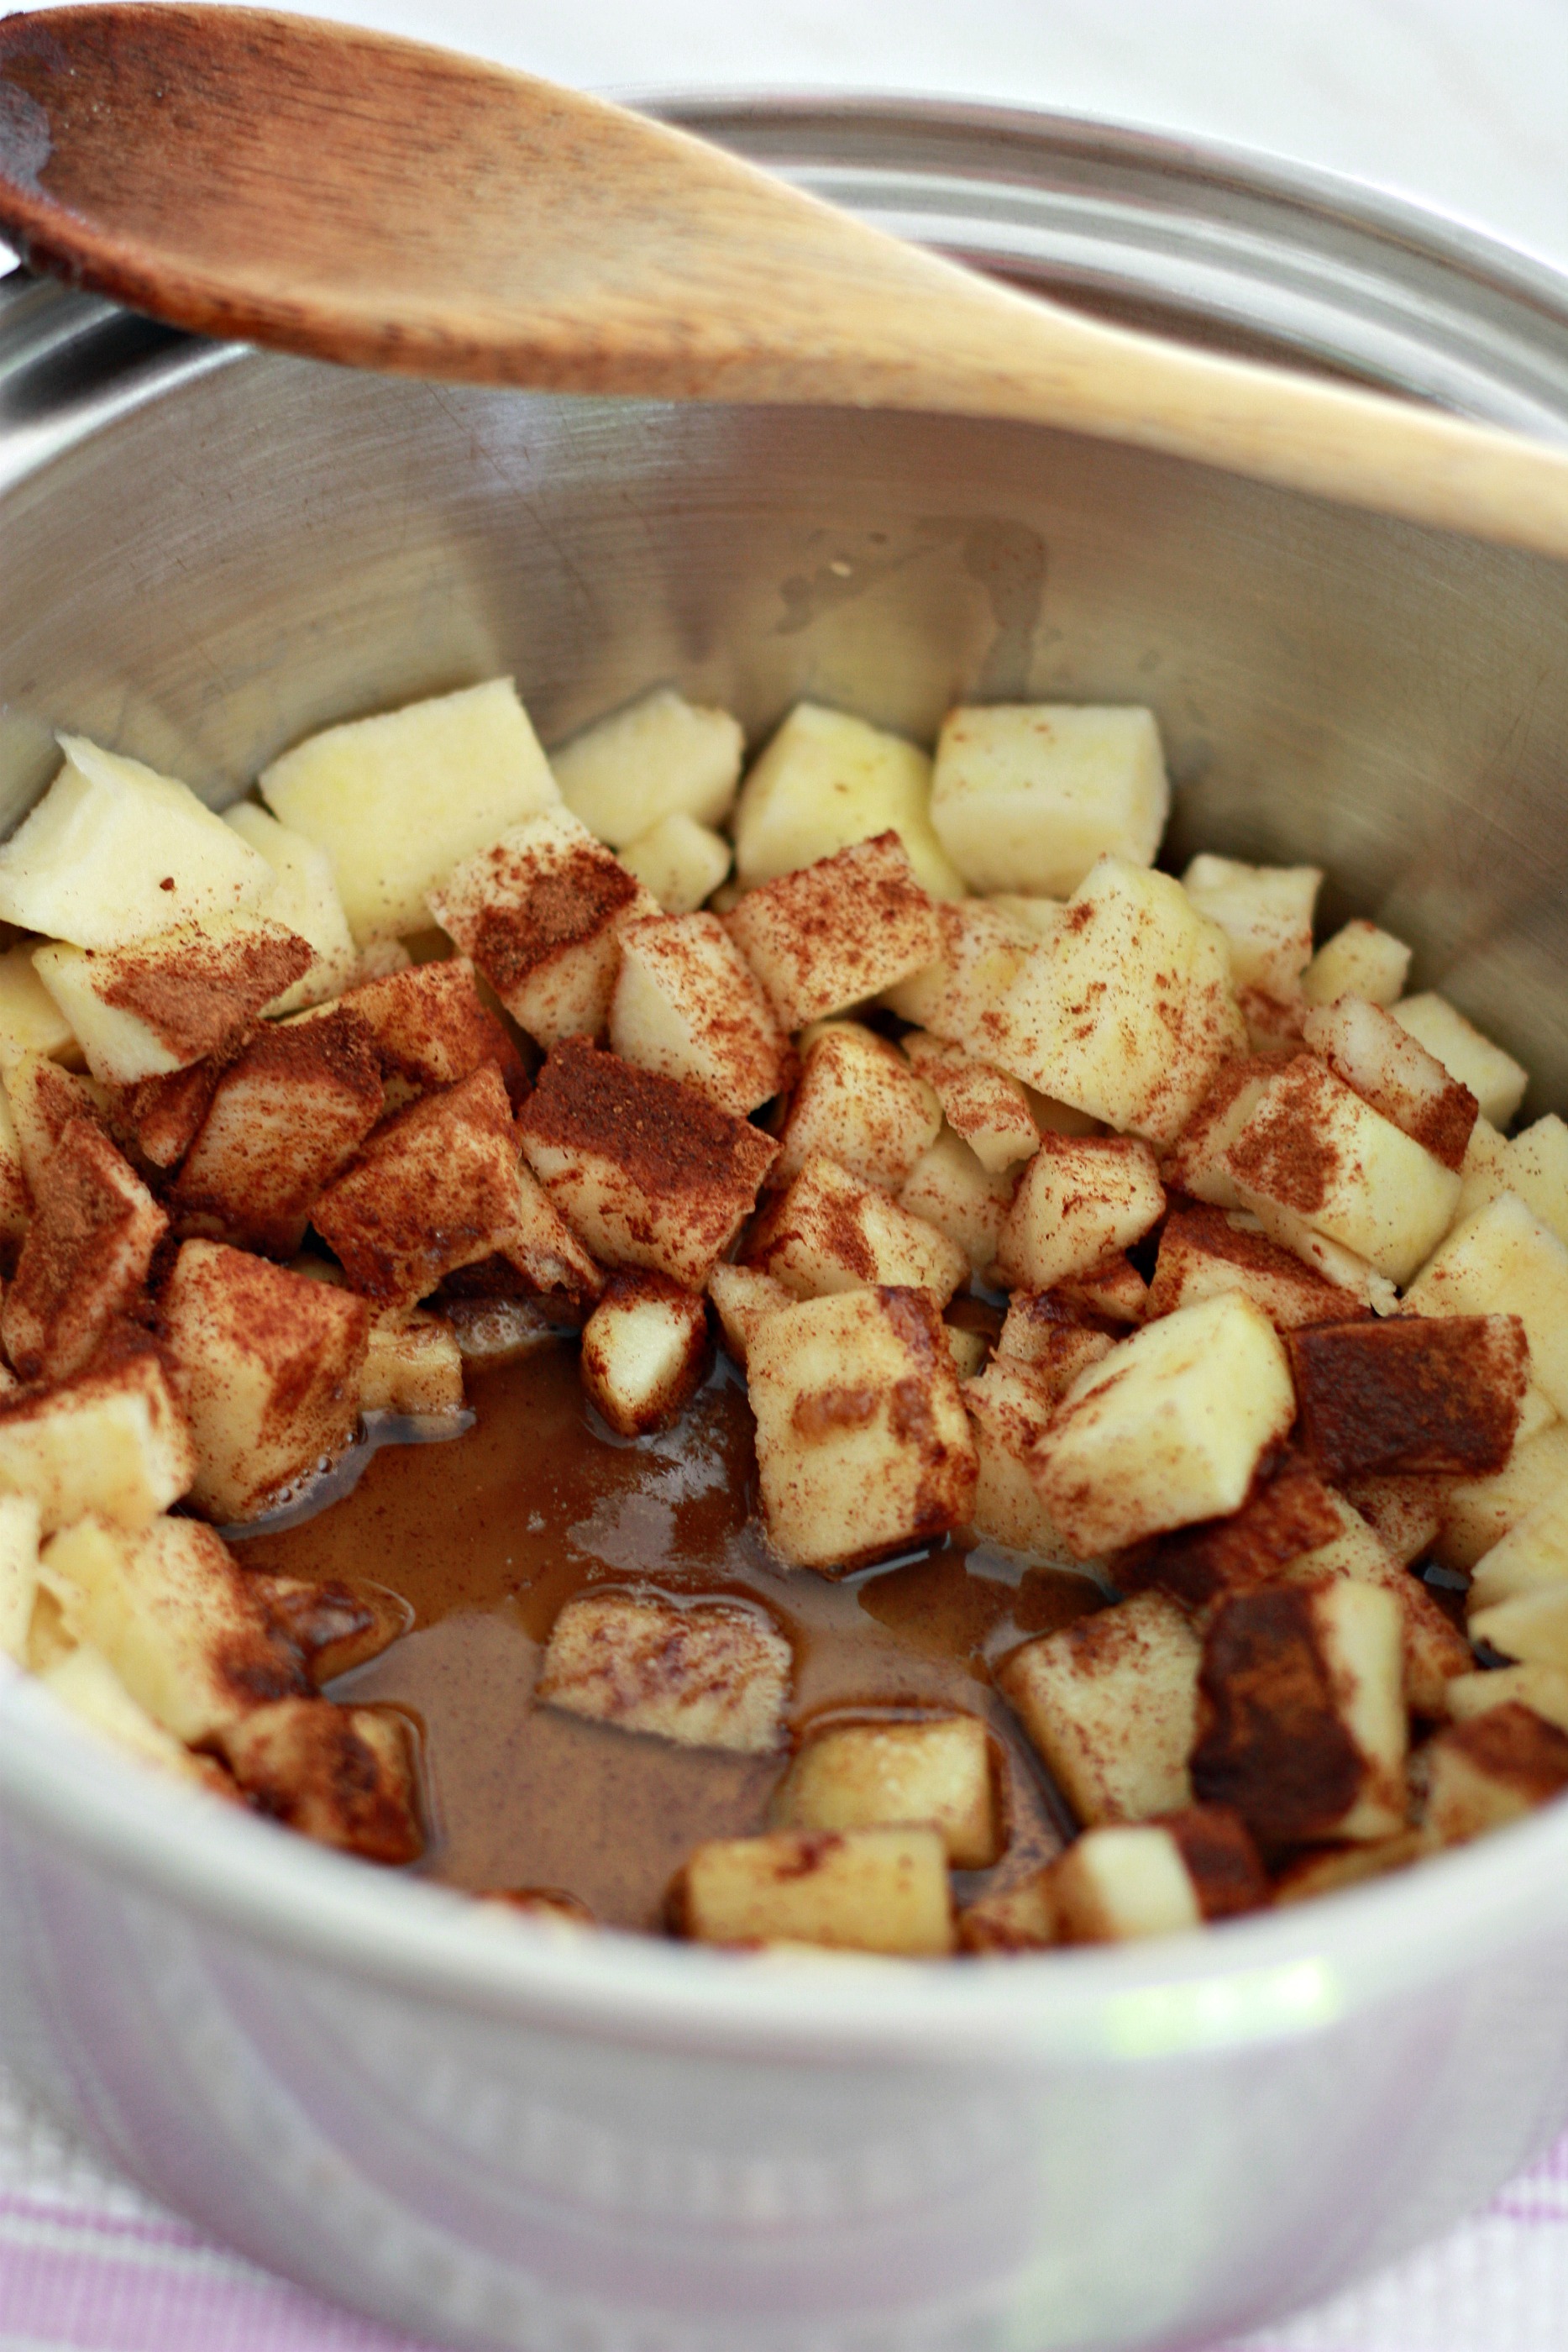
363	199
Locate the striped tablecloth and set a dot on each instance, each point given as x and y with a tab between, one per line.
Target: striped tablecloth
88	2264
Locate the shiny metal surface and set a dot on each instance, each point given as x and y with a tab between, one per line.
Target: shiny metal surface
490	2134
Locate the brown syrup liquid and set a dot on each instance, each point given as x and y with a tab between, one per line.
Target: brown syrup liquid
487	1535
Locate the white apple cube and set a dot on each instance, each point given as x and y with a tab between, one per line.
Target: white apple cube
30	1019
1533	1556
1078	1200
1266	915
1479	1512
644	1351
1010	1405
1025	796
858	1775
826	780
679	862
980	951
1504	1261
1495	1078
304	899
1535	1165
873	1890
1543	1689
1124	1882
1111	1703
660	757
111	1440
948	1188
1359	960
741	1297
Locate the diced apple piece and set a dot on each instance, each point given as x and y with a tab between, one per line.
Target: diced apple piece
644	1351
1533	1555
1288	1512
30	1019
1495	1078
856	1776
1025	795
83	1680
304	899
112	1440
114	850
266	1365
1359	960
1125	1011
827	781
646	1171
948	1189
1393	1072
968	1349
708	1673
1111	1703
1168	1429
1128	1880
18	1572
1479	1512
1304	1727
1349	1274
541	1250
1414	1392
173	997
85	1258
434	1188
1329	1870
16	1199
1114	1289
662	756
828	1231
1040	1332
1531	1627
874	1890
284	1121
1536	1168
157	1120
688	1005
1078	1200
43	1101
679	862
987	1107
1543	1689
432	1028
1020	1918
957	996
860	1105
335	1623
342	1775
863	1444
1196	1160
1484	1773
1205	1250
834	934
397	800
1009	1408
1266	915
1315	1148
1485	1172
541	912
1504	1261
1403	1513
414	1365
180	1622
497	1330
1435	1649
741	1298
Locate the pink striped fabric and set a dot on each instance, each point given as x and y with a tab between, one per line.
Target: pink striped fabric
87	2265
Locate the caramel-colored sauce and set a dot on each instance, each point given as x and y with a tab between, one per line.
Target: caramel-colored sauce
486	1536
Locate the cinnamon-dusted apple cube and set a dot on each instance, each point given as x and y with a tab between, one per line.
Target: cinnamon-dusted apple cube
397	799
18	1572
1114	1289
1359	960
1025	795
1126	1010
987	1107
1535	1165
85	1261
1403	1513
660	756
969	1348
1196	1160
334	1623
111	1440
1393	1072
1204	1250
1039	1330
644	1351
285	1119
1435	1649
826	779
1495	1078
706	1674
304	898
1313	1147
540	1247
412	1365
834	934
1111	1703
1479	1512
1360	1281
679	862
687	1005
1531	1556
82	1679
1304	1727
1504	1261
863	1444
180	1622
828	1231
16	1199
175	997
1168	1429
1543	1689
342	1775
741	1298
1482	1774
1414	1392
435	1187
1009	1408
43	1101
157	1120
1079	1200
1266	915
1328	1870
871	1890
1132	1879
541	912
855	1776
859	1104
947	1187
646	1171
432	1028
980	952
266	1365
1288	1512
1020	1918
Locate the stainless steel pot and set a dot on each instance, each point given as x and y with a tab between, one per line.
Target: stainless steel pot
466	2125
